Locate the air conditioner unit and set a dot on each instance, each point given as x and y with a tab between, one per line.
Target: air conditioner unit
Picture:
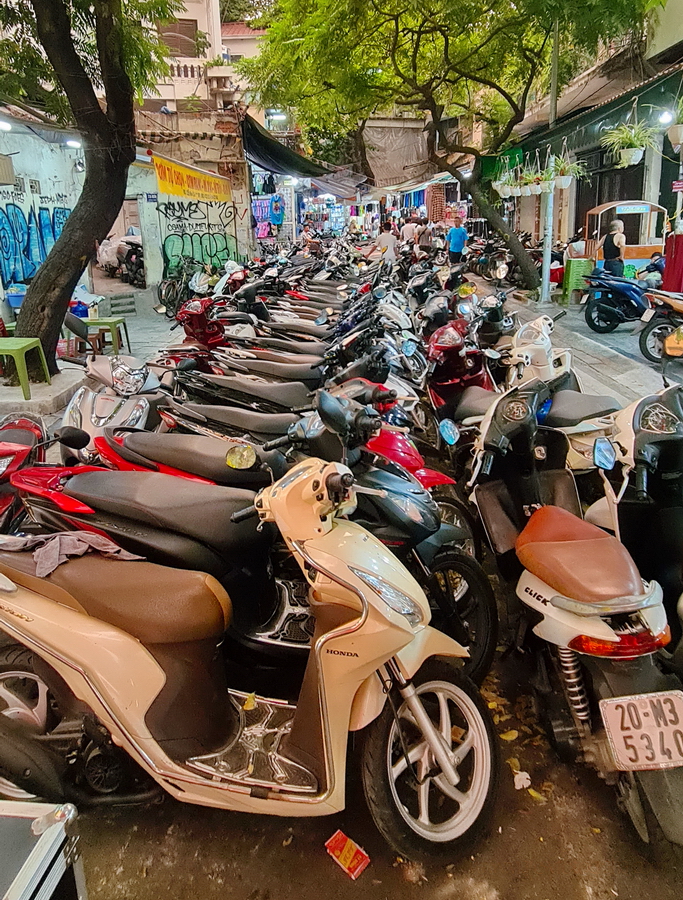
7	175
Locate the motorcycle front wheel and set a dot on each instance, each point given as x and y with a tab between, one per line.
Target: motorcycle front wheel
596	320
418	811
651	341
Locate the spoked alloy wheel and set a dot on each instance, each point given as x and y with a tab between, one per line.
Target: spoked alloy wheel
453	512
426	427
464	607
652	337
418	810
24	698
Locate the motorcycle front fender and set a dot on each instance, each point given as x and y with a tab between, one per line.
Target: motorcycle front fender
430	478
370	697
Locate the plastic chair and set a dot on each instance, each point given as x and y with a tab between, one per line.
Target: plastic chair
17	348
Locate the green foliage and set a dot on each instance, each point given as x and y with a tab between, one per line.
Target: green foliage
562	166
27	76
629	137
246	10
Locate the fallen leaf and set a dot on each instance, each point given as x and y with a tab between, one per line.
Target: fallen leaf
457	733
513	762
413	873
511	735
249	702
596	830
539	798
288	840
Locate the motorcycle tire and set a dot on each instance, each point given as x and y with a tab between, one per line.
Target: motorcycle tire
594	321
401	812
464	607
652	337
664	853
441	258
455	512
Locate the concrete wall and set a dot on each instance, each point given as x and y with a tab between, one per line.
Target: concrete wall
667	29
33	213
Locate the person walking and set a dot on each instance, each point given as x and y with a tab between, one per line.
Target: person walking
408	231
613	246
423	235
456	238
386	244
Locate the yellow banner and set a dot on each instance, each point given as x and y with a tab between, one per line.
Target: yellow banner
175	178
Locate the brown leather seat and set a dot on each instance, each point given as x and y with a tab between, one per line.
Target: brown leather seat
575	558
155	604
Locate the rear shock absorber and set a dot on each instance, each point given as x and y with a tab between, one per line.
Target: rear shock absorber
573	680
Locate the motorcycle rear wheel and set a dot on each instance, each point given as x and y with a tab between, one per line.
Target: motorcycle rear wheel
433	822
651	340
595	321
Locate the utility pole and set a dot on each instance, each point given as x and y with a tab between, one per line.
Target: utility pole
554	73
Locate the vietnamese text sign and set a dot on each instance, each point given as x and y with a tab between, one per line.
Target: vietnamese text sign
181	181
633	208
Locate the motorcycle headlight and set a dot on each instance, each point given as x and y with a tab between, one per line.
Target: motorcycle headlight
5	463
465	310
501	271
409	507
398	601
127	381
72	414
138	413
658	419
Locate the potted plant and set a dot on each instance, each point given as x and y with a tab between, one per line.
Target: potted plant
503	184
565	171
546	180
528	181
675	130
629	142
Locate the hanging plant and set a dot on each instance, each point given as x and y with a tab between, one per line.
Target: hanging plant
675	130
565	171
546	180
629	141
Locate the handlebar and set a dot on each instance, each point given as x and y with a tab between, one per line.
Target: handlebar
338	483
562	312
76	360
641	481
278	442
243	514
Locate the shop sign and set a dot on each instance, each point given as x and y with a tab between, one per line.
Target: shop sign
677	187
152	198
633	209
193	184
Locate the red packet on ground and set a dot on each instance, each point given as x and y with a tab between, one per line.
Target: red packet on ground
347	854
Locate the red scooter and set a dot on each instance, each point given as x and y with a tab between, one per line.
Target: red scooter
455	364
21	444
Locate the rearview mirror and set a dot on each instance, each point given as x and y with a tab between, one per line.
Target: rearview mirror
408	348
323	318
186	365
490	353
241	456
332	413
604	454
73	438
379	292
449	431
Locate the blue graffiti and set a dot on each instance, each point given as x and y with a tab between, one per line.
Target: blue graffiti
26	242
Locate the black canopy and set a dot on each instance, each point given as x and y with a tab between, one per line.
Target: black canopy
273	156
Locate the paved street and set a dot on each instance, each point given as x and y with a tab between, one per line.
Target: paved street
564	839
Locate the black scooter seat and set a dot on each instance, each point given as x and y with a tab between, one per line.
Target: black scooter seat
266	426
318	331
571	407
202	455
474	401
306	373
288	394
165	502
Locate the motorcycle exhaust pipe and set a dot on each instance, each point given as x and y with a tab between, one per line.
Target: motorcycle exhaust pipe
610	313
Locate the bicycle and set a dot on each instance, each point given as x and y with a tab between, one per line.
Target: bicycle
173	292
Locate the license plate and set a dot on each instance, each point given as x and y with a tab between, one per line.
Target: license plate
584	298
645	731
647	315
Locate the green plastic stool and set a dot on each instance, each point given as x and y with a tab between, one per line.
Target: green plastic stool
573	280
17	348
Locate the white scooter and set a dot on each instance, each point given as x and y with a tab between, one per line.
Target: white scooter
140	686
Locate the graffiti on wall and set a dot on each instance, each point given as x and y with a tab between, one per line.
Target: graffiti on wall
28	231
201	229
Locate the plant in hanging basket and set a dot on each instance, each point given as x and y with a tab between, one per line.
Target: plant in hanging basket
565	171
675	130
629	142
546	180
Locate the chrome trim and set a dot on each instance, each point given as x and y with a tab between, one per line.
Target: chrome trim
615	606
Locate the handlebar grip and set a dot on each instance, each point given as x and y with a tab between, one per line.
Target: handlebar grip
243	514
278	442
562	312
641	481
364	422
337	483
380	395
176	325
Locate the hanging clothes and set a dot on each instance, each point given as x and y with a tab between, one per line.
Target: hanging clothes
269	184
436	202
277	210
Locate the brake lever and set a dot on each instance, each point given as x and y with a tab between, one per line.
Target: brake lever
374	492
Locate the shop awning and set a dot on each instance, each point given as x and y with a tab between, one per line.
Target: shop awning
271	155
343	185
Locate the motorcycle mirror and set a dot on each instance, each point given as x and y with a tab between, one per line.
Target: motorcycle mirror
379	293
490	353
604	454
449	431
73	438
332	413
323	318
186	365
241	456
408	348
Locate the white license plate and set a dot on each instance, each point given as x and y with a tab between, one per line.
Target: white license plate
645	731
647	315
584	298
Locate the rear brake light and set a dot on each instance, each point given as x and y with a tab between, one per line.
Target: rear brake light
628	646
168	420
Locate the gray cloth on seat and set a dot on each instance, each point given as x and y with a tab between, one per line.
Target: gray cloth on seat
51	550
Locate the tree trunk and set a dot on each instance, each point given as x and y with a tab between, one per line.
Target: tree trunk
494	218
47	299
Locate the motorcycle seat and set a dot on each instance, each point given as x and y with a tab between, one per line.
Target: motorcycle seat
21	436
290	394
300	348
200	511
268	424
305	372
319	331
234	318
571	407
201	455
155	604
577	559
474	401
282	356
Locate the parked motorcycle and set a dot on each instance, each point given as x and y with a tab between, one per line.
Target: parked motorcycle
610	301
662	318
109	651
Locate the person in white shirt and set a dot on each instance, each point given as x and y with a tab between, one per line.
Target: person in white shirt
408	231
386	244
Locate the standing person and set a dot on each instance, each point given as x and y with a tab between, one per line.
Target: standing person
456	238
385	243
408	231
423	235
613	246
